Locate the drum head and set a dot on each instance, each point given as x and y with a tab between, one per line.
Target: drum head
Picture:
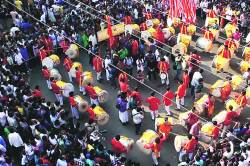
163	76
55	74
71	53
68	87
48	62
103	119
149	23
103	96
72	72
179	142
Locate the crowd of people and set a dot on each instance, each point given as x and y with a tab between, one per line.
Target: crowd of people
35	131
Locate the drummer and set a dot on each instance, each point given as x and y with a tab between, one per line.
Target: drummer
154	104
189	147
79	79
226	90
241	100
57	91
165	127
73	106
209	104
208	35
183	28
67	62
46	75
98	67
92	94
163	66
225	52
167	100
42	53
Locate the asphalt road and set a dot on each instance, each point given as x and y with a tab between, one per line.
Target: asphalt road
114	127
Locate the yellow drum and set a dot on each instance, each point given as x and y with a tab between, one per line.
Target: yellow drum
244	65
181	48
81	103
72	71
87	78
65	87
221	63
151	31
127	142
116	30
100	115
237	82
230	29
183	38
200	104
161	120
220	117
148	137
102	94
207	132
183	117
204	44
131	27
179	142
55	74
72	51
233	103
156	21
216	88
51	61
247	54
191	29
211	21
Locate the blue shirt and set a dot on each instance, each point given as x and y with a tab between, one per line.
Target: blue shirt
2	141
24	53
123	104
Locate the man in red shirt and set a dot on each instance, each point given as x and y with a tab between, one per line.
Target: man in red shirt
42	54
189	147
117	146
137	96
73	106
228	119
91	112
180	94
123	76
134	48
98	67
37	92
167	100
242	99
123	86
92	94
216	131
57	91
67	62
185	78
46	75
164	68
154	104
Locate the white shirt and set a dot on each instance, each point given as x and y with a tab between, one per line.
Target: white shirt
107	62
248	38
2	118
136	13
228	155
229	14
13	31
15	139
18	58
197	75
93	40
43	18
61	162
137	117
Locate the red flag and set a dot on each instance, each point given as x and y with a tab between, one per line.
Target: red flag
109	31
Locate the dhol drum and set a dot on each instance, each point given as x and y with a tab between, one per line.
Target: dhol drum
101	116
216	88
51	61
87	78
73	69
220	117
230	29
65	87
183	38
102	94
81	103
191	29
221	63
204	44
179	142
236	107
148	137
237	82
127	142
116	30
131	27
72	51
179	48
160	120
55	74
163	75
244	65
200	104
207	132
215	33
183	117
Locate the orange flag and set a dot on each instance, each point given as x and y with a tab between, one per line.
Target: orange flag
111	38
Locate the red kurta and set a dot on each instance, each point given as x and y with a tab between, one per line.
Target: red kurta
186	79
42	54
37	93
225	91
190	145
242	100
97	63
123	76
163	67
78	76
91	92
91	113
72	101
55	88
153	102
67	62
143	26
168	97
117	146
181	91
230	115
137	96
135	47
46	73
123	86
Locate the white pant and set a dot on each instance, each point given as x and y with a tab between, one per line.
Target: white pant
154	114
167	108
179	102
48	84
94	101
98	75
70	78
154	157
123	116
165	81
59	98
107	74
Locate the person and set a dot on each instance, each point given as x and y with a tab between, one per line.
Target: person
137	116
215	131
91	113
241	100
226	90
124	87
195	81
195	129
107	62
228	120
185	78
180	94
167	100
154	104
42	54
189	147
128	61
57	91
92	94
122	106
37	92
123	76
73	106
178	67
198	88
209	105
156	148
164	68
165	127
67	62
117	146
246	76
46	75
79	77
137	96
98	67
